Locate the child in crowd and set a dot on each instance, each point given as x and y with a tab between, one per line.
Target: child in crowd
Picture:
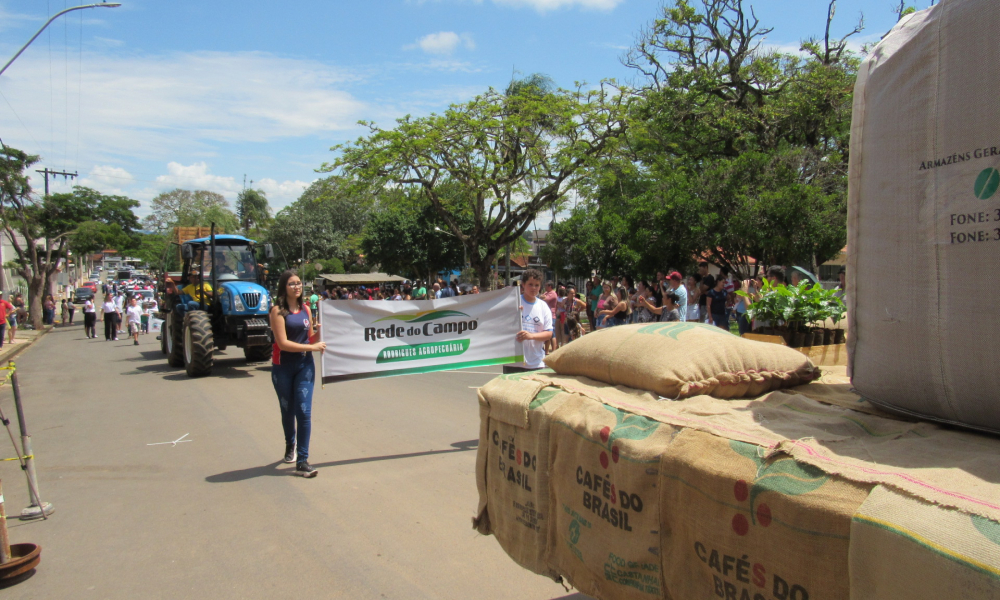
134	318
575	329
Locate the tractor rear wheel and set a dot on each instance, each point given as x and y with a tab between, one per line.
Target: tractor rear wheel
199	344
172	331
257	353
164	348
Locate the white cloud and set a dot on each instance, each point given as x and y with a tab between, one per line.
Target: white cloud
197	177
443	42
158	107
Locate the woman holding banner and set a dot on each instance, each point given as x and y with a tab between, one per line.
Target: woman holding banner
293	371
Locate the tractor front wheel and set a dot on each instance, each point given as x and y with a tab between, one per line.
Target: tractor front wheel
199	345
257	353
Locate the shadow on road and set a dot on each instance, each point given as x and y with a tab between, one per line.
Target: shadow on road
271	470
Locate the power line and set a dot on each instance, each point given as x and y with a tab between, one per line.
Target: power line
28	131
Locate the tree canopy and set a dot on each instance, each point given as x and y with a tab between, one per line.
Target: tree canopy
185	208
512	155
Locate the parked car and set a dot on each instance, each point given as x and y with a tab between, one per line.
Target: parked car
83	294
91	285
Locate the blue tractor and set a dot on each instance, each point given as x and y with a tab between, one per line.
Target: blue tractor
219	302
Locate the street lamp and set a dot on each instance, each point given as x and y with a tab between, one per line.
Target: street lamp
53	18
465	255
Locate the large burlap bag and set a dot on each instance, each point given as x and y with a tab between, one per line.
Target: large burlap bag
902	548
678	360
604	534
512	466
734	525
924	217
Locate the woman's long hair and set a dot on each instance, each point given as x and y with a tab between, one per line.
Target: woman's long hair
281	299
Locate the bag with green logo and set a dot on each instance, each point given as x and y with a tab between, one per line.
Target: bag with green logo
512	472
679	360
735	524
604	475
936	552
923	222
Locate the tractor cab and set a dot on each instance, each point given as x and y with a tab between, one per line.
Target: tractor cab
220	301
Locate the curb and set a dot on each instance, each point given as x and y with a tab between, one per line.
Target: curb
4	357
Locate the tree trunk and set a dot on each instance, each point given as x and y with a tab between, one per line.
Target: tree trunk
36	285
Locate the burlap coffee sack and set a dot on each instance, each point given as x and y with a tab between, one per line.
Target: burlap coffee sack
736	525
903	548
947	467
924	191
512	470
834	387
766	421
678	360
604	535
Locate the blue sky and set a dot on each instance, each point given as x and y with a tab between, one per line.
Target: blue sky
155	95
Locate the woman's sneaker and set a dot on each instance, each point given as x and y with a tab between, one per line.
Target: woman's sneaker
289	453
305	470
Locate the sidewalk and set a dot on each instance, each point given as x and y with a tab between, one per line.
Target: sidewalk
23	339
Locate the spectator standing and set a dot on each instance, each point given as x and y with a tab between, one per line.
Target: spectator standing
71	309
6	308
594	298
715	301
313	302
645	303
536	320
421	292
551	299
671	310
63	312
707	284
49	310
693	295
682	294
436	290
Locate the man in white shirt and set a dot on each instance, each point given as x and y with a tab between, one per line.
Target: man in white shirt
674	285
134	317
536	320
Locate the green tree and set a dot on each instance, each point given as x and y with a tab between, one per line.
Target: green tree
745	147
409	239
184	208
512	154
252	210
325	222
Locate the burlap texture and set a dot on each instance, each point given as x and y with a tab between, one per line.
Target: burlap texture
679	360
604	535
922	217
735	524
902	548
724	441
512	467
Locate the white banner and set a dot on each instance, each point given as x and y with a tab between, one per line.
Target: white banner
377	338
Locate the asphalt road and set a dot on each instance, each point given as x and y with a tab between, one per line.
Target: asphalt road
218	515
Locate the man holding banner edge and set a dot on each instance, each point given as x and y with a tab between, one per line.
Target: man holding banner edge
536	320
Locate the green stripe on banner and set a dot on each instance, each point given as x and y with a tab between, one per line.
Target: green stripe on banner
422	351
428	369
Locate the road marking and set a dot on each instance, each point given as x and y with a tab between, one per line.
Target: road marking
179	440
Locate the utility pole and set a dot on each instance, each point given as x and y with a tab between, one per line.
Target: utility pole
46	171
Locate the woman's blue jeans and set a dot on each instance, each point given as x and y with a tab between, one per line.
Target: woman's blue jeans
293	381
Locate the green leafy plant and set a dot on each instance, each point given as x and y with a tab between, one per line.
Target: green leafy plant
795	306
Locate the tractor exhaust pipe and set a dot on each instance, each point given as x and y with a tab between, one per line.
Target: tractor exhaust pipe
215	270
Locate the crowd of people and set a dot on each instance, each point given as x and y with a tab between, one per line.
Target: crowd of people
131	305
